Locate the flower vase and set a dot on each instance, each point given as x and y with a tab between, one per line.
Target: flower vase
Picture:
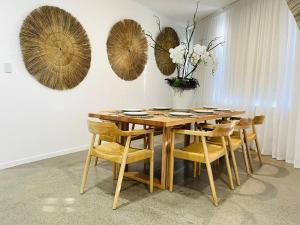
182	99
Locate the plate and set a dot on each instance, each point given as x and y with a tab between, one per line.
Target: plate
222	109
132	110
180	114
209	107
135	113
161	108
203	111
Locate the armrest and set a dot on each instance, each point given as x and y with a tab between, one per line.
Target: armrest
193	132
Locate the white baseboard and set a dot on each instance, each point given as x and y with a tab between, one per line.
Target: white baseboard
297	166
41	157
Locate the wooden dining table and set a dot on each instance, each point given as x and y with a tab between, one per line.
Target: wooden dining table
161	119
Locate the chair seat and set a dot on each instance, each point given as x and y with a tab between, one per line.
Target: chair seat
251	136
194	152
113	152
235	133
236	142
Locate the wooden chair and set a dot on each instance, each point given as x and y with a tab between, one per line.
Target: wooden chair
203	152
252	136
238	141
117	153
234	143
138	137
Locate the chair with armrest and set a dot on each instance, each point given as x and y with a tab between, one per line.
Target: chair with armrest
203	152
117	153
252	136
235	142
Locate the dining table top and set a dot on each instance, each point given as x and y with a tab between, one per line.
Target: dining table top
162	118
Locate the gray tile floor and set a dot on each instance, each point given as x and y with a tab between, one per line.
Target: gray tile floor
47	192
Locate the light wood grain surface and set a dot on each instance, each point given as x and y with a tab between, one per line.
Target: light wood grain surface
161	118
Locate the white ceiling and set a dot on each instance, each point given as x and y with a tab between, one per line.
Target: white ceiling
182	10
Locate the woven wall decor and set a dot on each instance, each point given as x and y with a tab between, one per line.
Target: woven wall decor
55	48
127	49
165	40
294	6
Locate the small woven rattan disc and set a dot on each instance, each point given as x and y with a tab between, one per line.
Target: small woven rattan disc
127	49
166	39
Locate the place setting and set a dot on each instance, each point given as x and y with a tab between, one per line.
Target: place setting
221	111
136	113
203	111
180	114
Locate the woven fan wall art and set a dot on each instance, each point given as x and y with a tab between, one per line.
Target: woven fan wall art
127	49
166	39
55	48
294	6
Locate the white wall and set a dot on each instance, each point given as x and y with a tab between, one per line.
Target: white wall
37	122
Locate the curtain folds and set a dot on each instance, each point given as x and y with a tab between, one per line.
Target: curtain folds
258	70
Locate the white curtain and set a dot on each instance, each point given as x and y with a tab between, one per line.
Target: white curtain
258	70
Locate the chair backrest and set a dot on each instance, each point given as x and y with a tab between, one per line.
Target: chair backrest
258	120
223	130
244	124
108	138
106	130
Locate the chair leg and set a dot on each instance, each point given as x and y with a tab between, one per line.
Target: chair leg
121	172
249	157
258	150
151	172
218	163
117	166
114	169
236	172
145	165
171	175
229	171
245	159
96	161
199	171
85	173
212	184
195	169
119	184
248	151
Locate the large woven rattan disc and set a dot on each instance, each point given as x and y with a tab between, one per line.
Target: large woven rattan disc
294	6
55	47
127	49
166	39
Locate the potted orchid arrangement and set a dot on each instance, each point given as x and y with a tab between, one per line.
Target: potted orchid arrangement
188	58
187	61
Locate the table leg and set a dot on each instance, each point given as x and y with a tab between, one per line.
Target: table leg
164	156
187	138
125	127
187	141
